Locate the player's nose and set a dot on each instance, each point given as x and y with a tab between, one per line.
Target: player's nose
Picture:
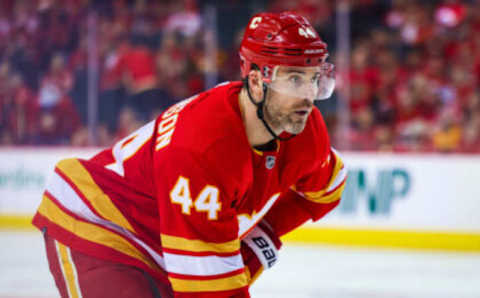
310	93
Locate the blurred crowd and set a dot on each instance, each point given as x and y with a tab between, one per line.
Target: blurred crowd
411	85
413	79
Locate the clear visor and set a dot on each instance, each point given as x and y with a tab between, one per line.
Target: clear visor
312	82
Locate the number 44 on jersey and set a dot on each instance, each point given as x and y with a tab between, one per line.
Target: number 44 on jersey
206	201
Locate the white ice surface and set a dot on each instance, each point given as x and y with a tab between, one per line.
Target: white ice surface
302	272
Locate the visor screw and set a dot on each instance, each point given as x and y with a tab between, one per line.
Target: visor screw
308	61
269	36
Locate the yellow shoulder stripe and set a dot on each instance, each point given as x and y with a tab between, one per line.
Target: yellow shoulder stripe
317	196
332	197
75	171
180	243
91	232
214	285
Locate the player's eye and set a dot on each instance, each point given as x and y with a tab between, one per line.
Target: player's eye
296	80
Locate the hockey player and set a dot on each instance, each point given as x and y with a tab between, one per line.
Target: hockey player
193	203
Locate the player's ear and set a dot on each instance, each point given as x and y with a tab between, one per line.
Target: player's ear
255	83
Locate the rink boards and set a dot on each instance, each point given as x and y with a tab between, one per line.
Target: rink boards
408	201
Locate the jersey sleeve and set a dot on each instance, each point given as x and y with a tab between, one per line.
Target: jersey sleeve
198	229
312	197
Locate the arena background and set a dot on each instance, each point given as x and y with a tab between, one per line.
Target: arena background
77	75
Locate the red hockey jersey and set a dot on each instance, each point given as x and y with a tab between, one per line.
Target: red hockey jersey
176	197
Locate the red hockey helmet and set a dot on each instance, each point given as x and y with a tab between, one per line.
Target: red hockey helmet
285	39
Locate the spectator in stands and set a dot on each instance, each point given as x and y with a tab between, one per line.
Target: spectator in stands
20	111
362	134
59	118
136	67
363	78
128	122
384	138
4	99
447	132
112	97
56	83
470	142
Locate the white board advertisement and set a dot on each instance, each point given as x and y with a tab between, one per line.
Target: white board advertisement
430	192
24	173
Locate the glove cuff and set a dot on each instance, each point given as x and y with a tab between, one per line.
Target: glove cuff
263	245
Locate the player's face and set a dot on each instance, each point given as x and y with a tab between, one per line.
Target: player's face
289	111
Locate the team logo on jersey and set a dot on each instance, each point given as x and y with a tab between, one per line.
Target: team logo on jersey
270	162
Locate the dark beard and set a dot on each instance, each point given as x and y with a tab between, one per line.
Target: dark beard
284	121
276	119
296	127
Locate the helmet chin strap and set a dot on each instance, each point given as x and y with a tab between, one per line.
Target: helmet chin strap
260	114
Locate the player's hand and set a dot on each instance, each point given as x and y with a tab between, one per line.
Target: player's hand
260	250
